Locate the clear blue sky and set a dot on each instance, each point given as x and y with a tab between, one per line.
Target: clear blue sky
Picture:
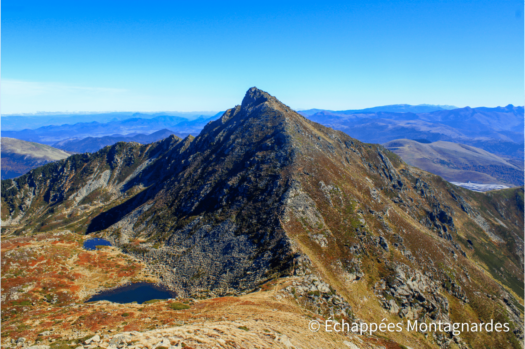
199	55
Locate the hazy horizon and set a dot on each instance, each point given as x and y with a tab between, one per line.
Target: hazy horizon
196	114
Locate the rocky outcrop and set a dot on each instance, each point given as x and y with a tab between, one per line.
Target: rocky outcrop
299	205
411	294
351	269
388	172
318	296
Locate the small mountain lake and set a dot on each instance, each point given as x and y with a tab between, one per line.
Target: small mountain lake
138	292
92	244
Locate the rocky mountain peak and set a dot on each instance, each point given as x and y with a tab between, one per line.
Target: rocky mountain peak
256	105
255	97
265	197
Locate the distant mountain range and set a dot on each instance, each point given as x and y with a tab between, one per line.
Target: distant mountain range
93	144
394	108
497	130
17	122
457	162
18	157
129	127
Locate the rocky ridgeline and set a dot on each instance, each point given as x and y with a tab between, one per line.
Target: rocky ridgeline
261	188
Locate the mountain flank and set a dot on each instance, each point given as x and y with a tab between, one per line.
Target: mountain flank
18	157
457	162
264	200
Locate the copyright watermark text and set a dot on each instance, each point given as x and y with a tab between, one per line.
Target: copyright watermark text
411	326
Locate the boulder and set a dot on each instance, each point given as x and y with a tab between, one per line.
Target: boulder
164	343
95	338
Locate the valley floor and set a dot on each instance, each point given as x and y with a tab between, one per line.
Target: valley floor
480	187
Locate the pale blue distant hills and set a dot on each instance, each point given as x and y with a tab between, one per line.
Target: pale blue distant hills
16	122
93	144
394	108
497	130
52	134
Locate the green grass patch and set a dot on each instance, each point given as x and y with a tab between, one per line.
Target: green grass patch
153	301
23	327
498	270
178	306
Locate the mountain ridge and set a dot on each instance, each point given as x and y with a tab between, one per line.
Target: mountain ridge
17	122
263	194
394	108
52	134
93	144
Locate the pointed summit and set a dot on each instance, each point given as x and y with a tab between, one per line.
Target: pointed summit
254	103
254	97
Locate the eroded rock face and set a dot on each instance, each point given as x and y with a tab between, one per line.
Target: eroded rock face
388	172
411	294
299	205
